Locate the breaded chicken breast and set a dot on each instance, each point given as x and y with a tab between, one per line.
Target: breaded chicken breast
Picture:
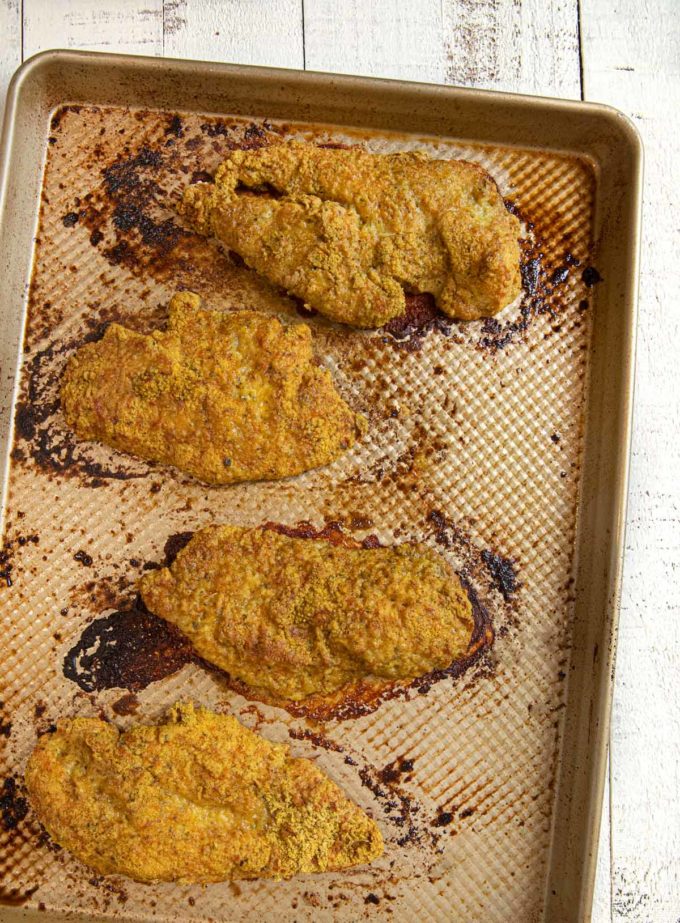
197	798
293	617
225	397
349	230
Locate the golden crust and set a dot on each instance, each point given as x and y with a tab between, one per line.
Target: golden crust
353	229
198	798
225	397
293	617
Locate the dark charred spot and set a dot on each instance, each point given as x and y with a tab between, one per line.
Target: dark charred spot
531	274
25	421
400	810
394	770
123	176
13	806
421	316
175	127
174	544
591	276
443	819
5	728
502	572
446	532
371	898
70	219
216	129
468	812
555	437
129	649
83	558
559	275
96	237
254	133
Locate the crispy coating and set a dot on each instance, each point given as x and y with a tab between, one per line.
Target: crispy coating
197	798
293	617
353	229
225	397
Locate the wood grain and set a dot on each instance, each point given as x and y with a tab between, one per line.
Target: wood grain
382	38
124	26
631	61
527	46
267	32
10	44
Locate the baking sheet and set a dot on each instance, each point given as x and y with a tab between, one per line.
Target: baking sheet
475	445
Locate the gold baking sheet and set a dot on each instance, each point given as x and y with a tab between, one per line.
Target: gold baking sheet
475	445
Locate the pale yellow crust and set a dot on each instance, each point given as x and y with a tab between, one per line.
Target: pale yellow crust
225	397
293	617
198	798
352	230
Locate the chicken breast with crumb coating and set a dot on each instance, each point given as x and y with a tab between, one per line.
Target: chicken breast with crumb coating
348	230
225	397
293	618
197	798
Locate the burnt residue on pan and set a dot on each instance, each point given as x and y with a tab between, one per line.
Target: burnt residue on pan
13	804
422	316
10	550
131	215
129	649
41	434
503	571
547	274
401	811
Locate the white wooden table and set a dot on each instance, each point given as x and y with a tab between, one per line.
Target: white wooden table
626	53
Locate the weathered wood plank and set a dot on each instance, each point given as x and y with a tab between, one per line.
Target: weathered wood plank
125	26
631	59
265	32
382	38
10	44
527	46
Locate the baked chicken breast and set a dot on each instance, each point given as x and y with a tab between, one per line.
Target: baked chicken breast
225	397
294	617
348	231
197	798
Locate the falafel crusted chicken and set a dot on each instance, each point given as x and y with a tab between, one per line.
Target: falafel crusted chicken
348	230
197	798
224	396
295	617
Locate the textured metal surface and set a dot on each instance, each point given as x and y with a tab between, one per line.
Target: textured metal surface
474	445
